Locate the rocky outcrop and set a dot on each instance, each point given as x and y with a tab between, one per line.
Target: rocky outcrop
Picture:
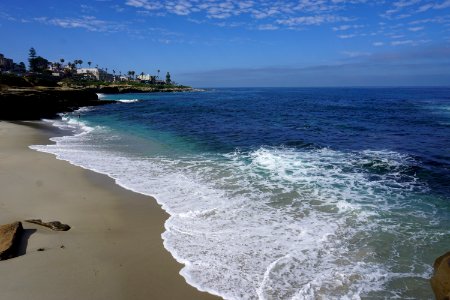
9	239
440	282
35	104
54	225
122	89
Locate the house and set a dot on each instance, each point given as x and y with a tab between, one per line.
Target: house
6	64
96	73
146	77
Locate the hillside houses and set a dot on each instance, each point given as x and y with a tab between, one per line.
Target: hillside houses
96	73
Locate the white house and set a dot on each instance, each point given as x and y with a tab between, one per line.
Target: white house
145	77
99	74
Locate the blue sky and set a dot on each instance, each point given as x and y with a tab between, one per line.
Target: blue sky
208	43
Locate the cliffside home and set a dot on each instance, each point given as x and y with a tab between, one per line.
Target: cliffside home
99	74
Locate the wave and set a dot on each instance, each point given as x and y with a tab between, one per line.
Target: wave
127	100
275	223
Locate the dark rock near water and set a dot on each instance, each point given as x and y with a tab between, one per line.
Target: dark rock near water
108	90
122	89
35	104
440	282
10	239
54	225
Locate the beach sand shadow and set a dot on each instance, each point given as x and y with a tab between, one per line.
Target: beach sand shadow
22	246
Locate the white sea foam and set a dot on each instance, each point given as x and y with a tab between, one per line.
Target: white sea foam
128	100
101	96
275	223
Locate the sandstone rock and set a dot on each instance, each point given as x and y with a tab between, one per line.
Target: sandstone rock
9	239
440	282
54	225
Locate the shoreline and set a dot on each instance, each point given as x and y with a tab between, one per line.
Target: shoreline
114	249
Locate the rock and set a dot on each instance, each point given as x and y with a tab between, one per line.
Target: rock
35	104
440	282
9	239
54	225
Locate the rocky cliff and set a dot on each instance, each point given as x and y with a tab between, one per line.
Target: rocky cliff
34	104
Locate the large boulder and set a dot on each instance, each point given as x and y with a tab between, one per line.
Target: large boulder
440	282
9	239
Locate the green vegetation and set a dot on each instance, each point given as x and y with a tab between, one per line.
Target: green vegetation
14	80
38	64
53	74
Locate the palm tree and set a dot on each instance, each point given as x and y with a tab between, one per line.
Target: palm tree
89	64
80	62
158	73
62	60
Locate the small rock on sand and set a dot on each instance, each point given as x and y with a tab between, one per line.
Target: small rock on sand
9	239
54	225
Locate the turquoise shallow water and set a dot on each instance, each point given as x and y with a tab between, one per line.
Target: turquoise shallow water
284	193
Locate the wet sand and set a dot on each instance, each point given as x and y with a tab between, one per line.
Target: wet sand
114	249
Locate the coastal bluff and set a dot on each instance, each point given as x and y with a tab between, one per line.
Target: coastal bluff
38	103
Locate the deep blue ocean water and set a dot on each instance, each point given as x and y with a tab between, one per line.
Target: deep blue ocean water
284	193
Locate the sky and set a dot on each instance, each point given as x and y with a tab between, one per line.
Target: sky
250	43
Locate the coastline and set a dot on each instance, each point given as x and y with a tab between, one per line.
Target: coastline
114	249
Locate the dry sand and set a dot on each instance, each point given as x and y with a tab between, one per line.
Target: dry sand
114	249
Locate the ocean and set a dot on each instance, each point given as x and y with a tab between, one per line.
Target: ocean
284	193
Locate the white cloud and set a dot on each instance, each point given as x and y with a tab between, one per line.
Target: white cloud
154	5
414	29
267	27
428	6
313	20
403	42
346	36
347	27
408	42
89	23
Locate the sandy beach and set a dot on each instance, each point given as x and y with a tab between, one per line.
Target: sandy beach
114	249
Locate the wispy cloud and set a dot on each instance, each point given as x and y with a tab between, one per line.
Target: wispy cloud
434	5
267	27
313	20
418	28
89	23
346	36
347	27
289	13
409	42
